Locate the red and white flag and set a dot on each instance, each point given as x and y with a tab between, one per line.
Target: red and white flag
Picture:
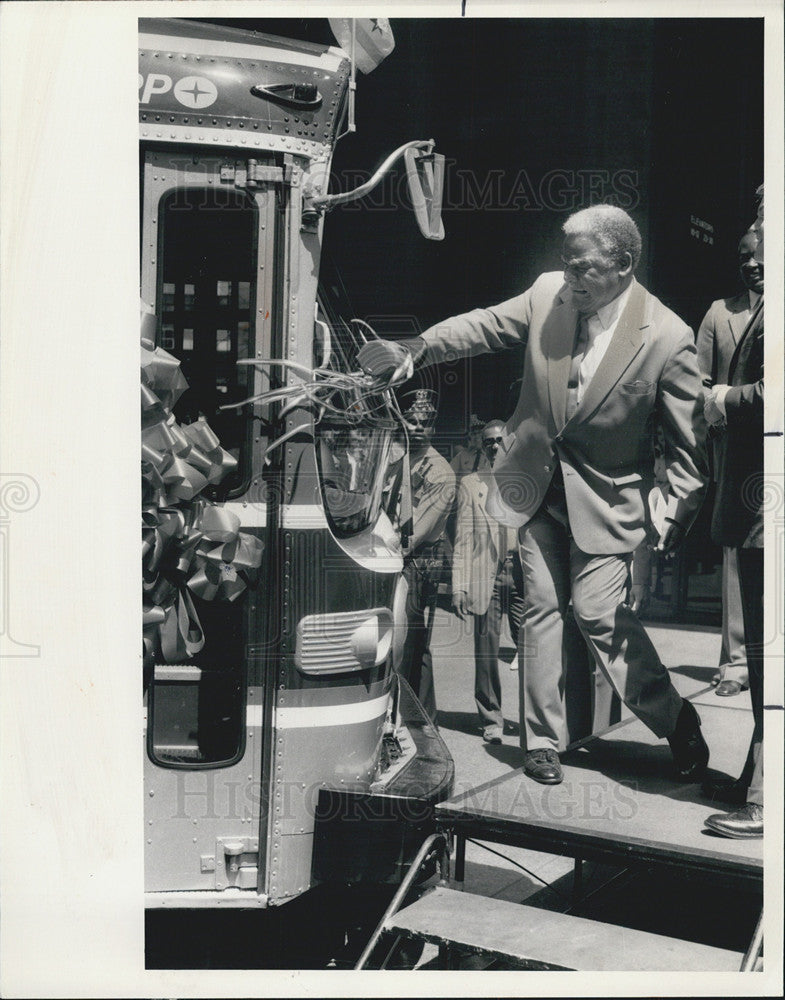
373	39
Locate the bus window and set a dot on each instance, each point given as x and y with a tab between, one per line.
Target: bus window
196	710
353	447
353	461
192	717
206	290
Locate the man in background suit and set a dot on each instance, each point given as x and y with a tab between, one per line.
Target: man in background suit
738	521
718	336
470	458
487	582
604	360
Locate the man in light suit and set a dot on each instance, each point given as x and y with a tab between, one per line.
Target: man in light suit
471	457
487	582
718	336
604	360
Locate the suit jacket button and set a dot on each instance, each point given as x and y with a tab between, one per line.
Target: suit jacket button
547	468
559	438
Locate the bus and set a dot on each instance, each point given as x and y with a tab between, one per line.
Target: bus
281	749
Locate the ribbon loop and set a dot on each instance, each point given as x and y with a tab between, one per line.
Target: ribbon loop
191	547
161	373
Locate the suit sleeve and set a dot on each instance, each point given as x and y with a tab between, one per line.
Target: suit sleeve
744	403
684	428
706	345
482	331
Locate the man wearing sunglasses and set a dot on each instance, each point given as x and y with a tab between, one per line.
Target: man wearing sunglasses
604	363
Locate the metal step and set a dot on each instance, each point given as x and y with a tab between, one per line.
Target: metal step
541	939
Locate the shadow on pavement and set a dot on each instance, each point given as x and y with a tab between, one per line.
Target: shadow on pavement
511	756
638	765
704	674
459	722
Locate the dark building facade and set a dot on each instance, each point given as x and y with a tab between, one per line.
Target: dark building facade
539	118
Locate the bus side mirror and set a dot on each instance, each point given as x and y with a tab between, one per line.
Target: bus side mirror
425	177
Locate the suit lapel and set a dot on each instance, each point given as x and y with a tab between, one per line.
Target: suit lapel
484	525
560	338
627	340
752	331
738	318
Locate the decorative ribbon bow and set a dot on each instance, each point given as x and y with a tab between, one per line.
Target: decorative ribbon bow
190	546
161	374
223	571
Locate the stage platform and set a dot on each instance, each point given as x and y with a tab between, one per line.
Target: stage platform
618	802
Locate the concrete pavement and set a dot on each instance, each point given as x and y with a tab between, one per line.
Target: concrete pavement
690	653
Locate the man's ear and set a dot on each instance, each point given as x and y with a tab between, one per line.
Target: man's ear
625	265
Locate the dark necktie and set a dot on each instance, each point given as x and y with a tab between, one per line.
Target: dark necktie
578	351
503	545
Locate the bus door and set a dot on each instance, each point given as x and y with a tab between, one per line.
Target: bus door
208	266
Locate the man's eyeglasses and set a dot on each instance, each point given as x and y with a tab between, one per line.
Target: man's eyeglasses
489	441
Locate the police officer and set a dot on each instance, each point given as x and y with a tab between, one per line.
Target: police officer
432	495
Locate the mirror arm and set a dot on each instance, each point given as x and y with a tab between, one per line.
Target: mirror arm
325	202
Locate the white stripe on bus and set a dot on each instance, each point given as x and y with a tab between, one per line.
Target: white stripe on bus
323	716
254	514
303	516
251	515
254	715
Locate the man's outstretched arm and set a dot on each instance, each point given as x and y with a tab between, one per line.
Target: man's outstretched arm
479	331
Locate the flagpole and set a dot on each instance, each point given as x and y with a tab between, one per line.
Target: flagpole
352	82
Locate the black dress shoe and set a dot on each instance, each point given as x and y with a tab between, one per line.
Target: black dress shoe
727	689
732	791
690	753
746	822
544	766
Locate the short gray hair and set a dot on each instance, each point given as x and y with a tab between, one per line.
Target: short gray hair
611	227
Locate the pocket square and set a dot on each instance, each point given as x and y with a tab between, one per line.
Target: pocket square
639	387
628	480
658	506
